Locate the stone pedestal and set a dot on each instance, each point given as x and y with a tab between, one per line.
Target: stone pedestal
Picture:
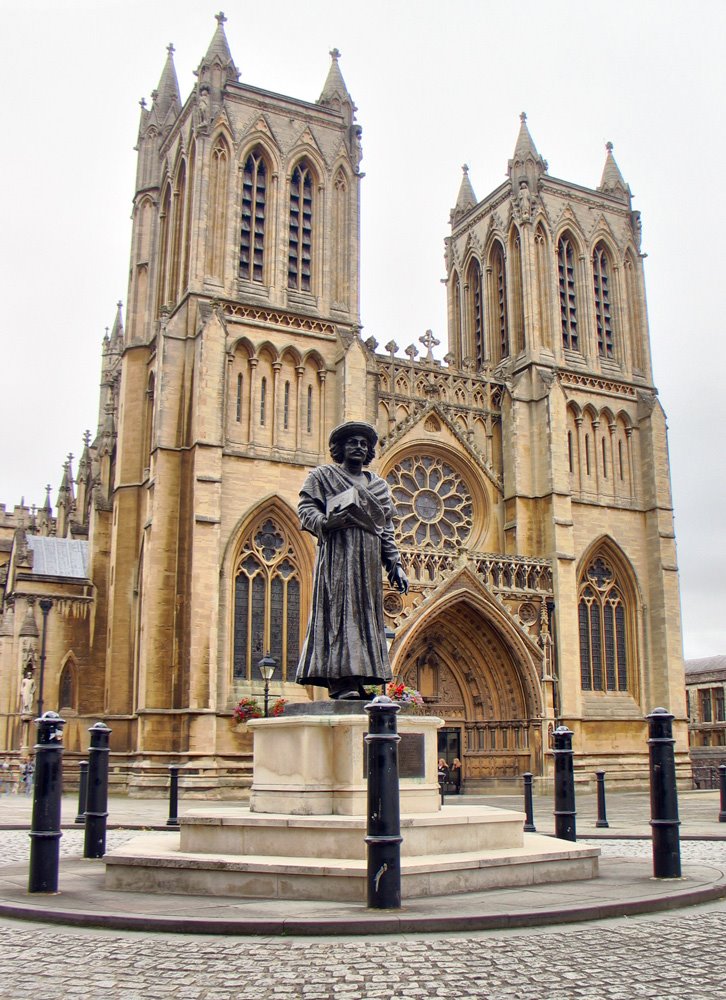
303	836
315	764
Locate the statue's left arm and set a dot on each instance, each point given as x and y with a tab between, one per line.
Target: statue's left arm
390	556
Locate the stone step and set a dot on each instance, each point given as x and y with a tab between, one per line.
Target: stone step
155	863
453	829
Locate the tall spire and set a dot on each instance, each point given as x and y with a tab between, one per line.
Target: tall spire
526	163
166	97
612	181
466	199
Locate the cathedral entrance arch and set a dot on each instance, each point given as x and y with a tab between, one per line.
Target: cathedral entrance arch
483	684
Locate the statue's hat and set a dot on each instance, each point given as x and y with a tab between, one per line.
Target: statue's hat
351	427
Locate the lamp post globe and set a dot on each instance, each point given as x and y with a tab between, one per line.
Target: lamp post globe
267	668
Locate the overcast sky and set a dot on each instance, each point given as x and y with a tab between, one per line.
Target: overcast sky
437	85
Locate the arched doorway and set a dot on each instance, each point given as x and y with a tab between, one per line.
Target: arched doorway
484	683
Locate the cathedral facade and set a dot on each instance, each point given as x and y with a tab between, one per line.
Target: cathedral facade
529	466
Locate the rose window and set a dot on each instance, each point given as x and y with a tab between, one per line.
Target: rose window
433	503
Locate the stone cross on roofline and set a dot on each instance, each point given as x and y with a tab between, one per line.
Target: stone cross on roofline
429	341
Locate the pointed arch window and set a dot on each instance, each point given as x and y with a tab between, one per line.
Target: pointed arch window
164	230
254	209
604	626
263	402
517	295
238	401
476	313
67	694
299	260
568	295
456	310
601	277
499	301
543	291
266	601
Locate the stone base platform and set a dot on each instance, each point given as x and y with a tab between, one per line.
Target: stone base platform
234	852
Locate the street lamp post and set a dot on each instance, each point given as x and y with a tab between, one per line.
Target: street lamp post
390	636
45	605
267	668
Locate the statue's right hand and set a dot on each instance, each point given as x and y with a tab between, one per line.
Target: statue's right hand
337	521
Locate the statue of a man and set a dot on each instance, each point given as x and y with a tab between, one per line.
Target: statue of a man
27	693
349	510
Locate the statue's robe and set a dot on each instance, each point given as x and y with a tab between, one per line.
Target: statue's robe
346	632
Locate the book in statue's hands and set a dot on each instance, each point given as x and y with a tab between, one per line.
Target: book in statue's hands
349	502
342	501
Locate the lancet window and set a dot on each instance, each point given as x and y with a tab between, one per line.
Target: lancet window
476	312
300	249
254	208
218	172
499	301
266	601
568	295
601	276
604	619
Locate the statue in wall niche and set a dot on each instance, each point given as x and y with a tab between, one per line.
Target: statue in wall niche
350	511
525	201
27	692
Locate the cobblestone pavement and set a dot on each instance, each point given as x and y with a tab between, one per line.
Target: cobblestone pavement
678	955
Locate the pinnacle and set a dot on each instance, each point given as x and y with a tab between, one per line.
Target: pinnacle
167	94
612	181
334	84
466	198
525	145
219	48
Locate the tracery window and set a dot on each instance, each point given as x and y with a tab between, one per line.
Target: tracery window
254	206
603	624
601	277
266	602
568	297
433	503
299	259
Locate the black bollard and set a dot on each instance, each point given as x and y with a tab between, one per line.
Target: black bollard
173	795
602	820
82	791
529	826
722	785
663	796
94	845
45	828
384	810
564	785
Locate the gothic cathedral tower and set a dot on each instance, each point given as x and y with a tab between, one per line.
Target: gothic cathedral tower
243	289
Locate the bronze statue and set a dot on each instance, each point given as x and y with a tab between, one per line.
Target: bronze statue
349	510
